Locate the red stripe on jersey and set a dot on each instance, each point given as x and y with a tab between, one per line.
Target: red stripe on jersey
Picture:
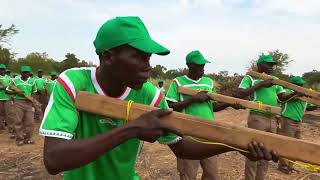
66	87
158	100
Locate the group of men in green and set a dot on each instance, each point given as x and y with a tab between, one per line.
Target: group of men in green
17	113
87	146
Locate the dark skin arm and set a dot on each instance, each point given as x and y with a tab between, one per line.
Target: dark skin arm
147	127
199	98
242	93
189	149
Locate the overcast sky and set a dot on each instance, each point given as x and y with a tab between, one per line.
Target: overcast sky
230	33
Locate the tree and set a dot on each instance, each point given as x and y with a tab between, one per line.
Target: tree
5	56
282	59
158	72
6	34
312	79
70	62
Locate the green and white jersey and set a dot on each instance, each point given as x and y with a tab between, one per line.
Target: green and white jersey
50	85
293	109
6	81
40	83
63	120
268	96
28	86
162	89
203	110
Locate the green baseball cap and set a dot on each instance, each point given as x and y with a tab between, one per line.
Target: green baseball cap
25	68
8	70
126	30
266	58
15	74
53	73
2	66
196	57
40	70
160	80
297	80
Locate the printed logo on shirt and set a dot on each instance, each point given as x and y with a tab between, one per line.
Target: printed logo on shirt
107	121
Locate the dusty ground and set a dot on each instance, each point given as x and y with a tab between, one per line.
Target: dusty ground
156	161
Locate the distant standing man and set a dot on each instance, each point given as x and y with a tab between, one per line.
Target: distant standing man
263	92
4	98
24	124
40	95
292	112
160	86
200	105
51	82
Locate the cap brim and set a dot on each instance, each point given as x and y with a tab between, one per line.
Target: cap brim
149	46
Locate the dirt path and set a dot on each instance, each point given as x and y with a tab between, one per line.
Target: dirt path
156	161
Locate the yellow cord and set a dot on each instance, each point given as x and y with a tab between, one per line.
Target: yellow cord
128	110
260	105
306	166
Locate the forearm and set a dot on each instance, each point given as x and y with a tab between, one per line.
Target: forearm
219	106
190	149
285	97
242	93
61	155
179	106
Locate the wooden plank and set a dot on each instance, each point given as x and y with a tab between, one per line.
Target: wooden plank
232	100
310	100
311	93
237	136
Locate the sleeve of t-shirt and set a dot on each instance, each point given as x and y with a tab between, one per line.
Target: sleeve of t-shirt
245	83
169	138
280	89
173	94
61	117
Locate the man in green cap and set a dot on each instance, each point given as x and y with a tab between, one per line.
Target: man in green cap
8	72
292	112
4	98
89	146
263	92
24	124
51	82
200	105
40	95
160	86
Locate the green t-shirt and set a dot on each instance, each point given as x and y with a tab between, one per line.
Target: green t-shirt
63	120
40	83
268	96
28	86
203	110
50	85
162	89
293	109
6	81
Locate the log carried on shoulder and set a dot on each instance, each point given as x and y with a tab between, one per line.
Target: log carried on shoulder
232	100
237	136
299	89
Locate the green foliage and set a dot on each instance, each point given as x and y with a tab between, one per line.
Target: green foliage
312	79
5	56
7	33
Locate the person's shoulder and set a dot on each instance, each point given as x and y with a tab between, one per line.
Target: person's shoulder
207	78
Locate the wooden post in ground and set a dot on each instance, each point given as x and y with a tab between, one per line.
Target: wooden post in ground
234	135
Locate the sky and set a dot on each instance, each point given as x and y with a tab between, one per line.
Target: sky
230	33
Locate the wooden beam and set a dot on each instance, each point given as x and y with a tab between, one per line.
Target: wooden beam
311	93
232	100
310	100
234	135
